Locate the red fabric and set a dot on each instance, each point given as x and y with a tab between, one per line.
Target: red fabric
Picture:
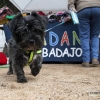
41	13
3	59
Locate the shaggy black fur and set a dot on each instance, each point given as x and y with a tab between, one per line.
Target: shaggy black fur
28	34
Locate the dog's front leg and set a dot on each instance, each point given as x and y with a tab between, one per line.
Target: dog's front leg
20	74
36	65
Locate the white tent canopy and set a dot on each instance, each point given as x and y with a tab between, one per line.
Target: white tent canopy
42	5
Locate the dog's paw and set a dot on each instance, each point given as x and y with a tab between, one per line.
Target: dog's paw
21	80
35	71
9	73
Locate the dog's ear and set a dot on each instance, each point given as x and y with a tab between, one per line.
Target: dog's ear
34	13
43	19
13	22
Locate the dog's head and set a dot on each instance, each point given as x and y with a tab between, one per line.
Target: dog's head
28	31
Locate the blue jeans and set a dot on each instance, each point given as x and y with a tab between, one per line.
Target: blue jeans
89	29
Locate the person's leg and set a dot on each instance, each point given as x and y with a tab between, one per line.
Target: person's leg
95	31
84	33
8	33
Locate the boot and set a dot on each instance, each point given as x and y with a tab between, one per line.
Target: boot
85	64
95	62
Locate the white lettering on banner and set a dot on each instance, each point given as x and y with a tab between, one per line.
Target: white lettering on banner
52	52
76	52
59	53
73	53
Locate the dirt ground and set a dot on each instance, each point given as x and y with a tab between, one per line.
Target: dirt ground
54	82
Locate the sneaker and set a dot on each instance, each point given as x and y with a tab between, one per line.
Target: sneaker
95	62
85	64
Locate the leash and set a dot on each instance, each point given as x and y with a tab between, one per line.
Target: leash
55	26
52	28
31	55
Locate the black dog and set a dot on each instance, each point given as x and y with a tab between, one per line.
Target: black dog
25	47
